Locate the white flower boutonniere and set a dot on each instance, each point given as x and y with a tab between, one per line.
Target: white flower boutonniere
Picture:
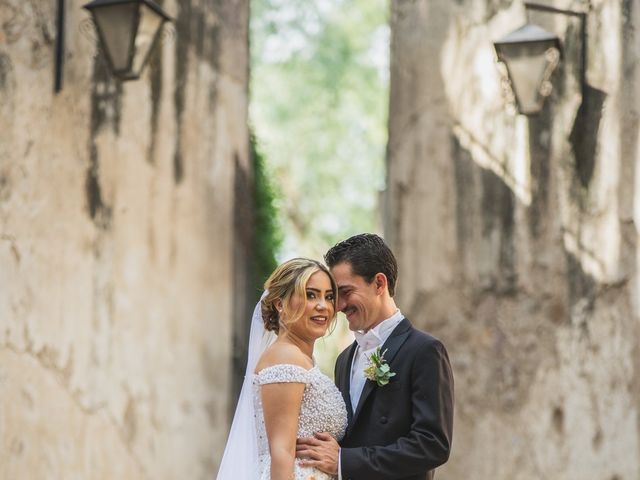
377	369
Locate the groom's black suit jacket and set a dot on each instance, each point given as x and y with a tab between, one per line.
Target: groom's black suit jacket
401	430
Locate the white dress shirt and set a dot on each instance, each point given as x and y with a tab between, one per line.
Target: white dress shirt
367	344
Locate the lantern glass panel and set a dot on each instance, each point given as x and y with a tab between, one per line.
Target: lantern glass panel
527	64
116	24
150	23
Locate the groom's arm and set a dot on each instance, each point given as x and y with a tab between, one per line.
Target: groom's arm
428	443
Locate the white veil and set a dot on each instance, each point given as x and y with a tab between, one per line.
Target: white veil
240	459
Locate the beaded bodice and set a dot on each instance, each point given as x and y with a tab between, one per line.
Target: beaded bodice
322	408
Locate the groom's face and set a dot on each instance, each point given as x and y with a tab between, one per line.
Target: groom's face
357	299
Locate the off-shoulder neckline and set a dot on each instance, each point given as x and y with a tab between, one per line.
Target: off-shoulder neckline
315	366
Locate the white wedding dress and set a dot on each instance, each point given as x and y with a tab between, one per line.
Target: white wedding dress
246	455
322	410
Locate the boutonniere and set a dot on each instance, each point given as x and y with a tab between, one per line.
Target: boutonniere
378	369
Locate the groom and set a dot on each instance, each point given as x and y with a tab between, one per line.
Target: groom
402	429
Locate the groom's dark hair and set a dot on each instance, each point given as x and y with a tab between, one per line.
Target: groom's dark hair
368	255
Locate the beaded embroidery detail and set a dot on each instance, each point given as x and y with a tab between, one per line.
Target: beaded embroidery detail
322	410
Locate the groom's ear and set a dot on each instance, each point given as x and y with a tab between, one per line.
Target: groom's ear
381	282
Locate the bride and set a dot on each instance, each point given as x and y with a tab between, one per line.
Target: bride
284	395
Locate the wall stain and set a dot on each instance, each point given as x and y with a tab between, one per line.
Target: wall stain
540	154
494	217
464	195
183	40
582	286
5	187
193	29
558	420
14	21
211	409
596	441
629	152
106	108
155	84
44	18
155	80
584	135
497	207
130	421
572	48
13	246
243	221
6	71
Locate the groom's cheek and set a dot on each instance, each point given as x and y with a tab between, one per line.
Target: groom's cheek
342	303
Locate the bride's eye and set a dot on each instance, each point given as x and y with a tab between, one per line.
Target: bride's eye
311	295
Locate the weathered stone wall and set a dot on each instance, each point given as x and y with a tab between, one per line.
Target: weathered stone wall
117	246
518	238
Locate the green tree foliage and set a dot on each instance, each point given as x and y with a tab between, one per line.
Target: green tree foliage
267	235
319	107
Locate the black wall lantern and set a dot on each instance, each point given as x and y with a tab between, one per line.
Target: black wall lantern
530	55
128	30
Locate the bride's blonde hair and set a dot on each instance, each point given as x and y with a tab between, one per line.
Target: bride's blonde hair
287	280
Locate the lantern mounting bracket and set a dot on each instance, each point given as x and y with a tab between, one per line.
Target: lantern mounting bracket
59	61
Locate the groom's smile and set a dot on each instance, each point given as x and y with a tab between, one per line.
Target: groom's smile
349	312
353	317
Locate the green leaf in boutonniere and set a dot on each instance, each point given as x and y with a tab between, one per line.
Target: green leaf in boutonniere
377	369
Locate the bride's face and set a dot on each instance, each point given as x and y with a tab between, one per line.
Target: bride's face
319	308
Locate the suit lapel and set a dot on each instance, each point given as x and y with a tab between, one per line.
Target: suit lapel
392	346
345	380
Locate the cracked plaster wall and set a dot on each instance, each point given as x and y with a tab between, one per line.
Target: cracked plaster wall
117	246
518	239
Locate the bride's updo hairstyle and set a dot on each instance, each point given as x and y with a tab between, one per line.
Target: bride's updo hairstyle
289	280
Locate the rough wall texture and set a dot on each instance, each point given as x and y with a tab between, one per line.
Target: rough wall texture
518	238
117	246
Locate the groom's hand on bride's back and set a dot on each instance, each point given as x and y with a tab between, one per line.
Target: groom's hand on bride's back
320	451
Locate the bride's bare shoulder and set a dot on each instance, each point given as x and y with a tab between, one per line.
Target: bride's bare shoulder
283	353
